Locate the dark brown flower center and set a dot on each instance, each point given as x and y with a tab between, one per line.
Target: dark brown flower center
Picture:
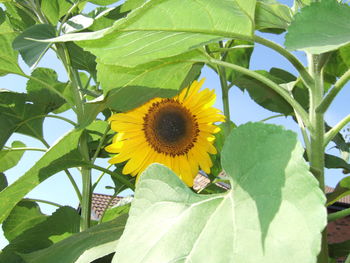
170	127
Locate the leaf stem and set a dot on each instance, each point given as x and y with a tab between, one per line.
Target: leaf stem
224	90
305	76
228	49
272	117
333	132
337	215
283	93
74	184
98	149
25	149
48	116
334	92
43	201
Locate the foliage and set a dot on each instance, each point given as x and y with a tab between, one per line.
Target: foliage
124	53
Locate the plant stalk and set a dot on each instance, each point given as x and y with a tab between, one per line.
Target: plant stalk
86	177
317	133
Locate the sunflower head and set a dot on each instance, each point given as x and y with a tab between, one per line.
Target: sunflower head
176	132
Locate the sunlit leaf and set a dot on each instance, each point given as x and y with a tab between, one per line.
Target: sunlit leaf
63	222
23	216
9	158
326	31
130	87
62	155
84	246
30	50
55	9
272	17
271	185
162	28
77	23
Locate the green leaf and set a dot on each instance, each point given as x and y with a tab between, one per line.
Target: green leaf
327	31
2	16
45	90
3	182
130	87
271	185
339	249
342	189
16	113
55	9
61	155
272	17
81	59
62	223
80	247
18	18
30	50
8	56
262	94
162	28
332	161
239	56
345	54
24	215
9	158
121	208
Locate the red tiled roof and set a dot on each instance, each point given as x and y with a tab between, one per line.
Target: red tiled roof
99	203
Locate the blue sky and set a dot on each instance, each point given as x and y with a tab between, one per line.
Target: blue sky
243	109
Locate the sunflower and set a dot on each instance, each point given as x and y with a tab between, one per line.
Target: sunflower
176	132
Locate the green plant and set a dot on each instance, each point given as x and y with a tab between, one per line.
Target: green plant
117	59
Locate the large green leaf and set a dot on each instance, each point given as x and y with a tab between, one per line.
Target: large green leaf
271	185
16	114
82	247
164	28
326	31
130	87
8	56
55	9
30	50
342	189
272	17
23	216
9	158
61	155
63	222
45	90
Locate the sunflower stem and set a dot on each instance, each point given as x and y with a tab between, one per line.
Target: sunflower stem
316	150
224	90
